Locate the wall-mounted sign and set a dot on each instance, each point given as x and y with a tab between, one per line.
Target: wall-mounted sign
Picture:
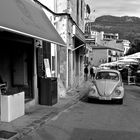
38	43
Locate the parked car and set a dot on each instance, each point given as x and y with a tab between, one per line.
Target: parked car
138	77
107	85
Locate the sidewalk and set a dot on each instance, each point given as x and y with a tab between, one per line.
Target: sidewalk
39	114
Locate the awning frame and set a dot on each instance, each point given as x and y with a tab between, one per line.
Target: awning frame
78	47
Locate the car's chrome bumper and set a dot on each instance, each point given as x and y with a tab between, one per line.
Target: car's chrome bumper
105	98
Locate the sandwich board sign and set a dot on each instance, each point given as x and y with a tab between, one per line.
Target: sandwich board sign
47	67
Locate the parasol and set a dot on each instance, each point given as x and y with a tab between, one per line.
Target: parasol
129	61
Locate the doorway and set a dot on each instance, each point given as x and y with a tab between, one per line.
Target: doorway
16	62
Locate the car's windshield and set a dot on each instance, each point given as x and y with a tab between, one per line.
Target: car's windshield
107	76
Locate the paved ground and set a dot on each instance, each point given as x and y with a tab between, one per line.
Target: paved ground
95	121
39	114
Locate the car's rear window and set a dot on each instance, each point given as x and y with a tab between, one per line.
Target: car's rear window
107	76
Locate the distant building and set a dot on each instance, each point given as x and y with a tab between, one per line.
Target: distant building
104	47
126	45
109	36
69	21
104	54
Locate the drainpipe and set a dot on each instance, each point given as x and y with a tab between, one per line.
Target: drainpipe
54	13
45	7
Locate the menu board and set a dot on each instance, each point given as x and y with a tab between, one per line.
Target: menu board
47	67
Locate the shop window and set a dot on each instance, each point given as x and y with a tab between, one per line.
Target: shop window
109	59
109	52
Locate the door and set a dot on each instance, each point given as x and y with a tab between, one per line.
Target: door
20	72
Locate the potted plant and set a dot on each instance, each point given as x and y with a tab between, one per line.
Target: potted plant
12	104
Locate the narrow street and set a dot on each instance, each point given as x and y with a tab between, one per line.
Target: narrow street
95	121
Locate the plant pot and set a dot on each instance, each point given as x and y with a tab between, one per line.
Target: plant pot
12	106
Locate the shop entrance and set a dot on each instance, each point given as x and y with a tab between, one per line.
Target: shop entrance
16	63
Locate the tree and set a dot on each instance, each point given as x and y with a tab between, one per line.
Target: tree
135	47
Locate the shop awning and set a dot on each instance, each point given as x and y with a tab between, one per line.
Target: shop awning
28	18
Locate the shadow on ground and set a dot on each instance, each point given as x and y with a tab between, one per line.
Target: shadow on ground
97	134
96	101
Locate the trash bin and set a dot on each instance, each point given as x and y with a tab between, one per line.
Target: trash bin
47	91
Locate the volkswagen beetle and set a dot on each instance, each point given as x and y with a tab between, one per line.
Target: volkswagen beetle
107	85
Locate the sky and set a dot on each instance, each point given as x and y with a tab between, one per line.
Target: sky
114	7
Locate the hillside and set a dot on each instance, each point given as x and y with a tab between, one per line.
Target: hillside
127	27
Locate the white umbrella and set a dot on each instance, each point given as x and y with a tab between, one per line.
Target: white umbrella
129	61
135	55
104	64
120	63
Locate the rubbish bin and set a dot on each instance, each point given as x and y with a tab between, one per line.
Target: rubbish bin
47	91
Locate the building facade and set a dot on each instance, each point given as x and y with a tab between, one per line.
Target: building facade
69	21
104	54
72	30
28	39
103	47
126	45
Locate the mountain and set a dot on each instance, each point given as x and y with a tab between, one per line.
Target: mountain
127	27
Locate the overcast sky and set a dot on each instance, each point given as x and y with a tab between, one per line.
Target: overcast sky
114	7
